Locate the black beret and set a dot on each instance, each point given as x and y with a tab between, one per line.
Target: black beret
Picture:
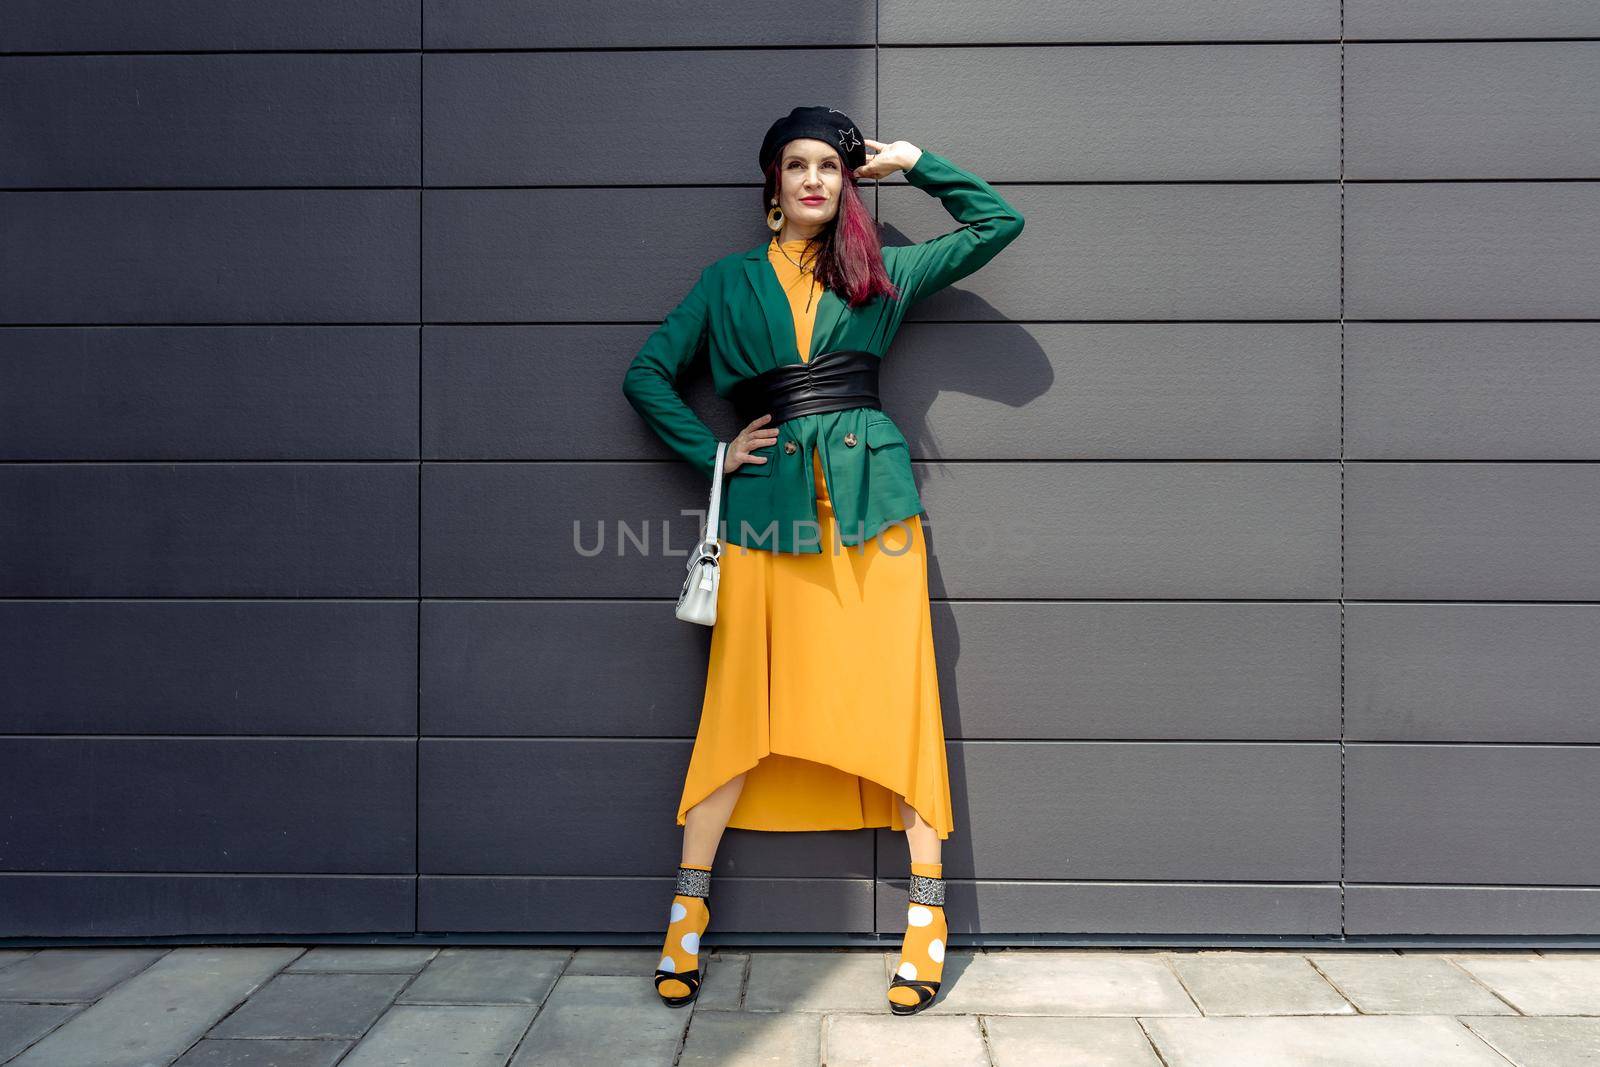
824	124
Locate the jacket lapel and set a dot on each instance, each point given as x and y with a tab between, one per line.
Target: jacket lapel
780	318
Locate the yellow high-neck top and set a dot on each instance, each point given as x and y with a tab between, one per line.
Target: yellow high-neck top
801	287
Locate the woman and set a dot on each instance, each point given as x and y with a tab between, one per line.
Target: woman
821	707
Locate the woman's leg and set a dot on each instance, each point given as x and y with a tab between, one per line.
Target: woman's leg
922	953
923	839
703	825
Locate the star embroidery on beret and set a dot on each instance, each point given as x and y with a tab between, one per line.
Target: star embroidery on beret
847	139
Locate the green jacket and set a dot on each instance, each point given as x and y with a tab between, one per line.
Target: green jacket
738	315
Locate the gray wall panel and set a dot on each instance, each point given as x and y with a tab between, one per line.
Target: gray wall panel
560	668
646	23
1010	21
1458	531
1472	110
1471	18
1208	251
1166	811
1138	670
291	806
590	807
224	25
209	256
586	905
559	529
1484	910
492	255
1472	672
485	391
209	392
1472	250
210	120
594	125
1065	909
145	905
1193	390
1132	530
1472	390
209	529
1173	113
1488	814
270	667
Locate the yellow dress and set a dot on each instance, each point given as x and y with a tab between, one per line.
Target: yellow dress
821	680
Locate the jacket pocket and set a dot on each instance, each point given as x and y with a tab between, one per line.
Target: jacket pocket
882	431
758	469
889	463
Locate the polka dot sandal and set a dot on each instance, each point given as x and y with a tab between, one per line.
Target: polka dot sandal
679	974
917	979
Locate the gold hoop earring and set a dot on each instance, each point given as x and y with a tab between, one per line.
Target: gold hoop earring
775	217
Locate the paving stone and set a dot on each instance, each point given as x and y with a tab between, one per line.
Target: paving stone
1549	985
625	961
604	1019
1258	983
886	1041
1320	1041
1059	982
1408	985
1032	1041
429	1035
154	1016
268	1053
23	1024
750	1039
488	976
296	1005
817	981
73	974
723	986
1493	954
371	959
1545	1041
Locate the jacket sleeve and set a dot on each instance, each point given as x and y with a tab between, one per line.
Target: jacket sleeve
650	383
989	223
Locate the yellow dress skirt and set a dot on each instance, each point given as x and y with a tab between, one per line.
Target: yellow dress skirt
821	685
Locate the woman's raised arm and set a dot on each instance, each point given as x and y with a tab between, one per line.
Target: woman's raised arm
989	223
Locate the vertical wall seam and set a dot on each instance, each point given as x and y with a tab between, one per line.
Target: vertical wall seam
416	751
1343	932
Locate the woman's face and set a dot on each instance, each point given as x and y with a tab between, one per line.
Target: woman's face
810	175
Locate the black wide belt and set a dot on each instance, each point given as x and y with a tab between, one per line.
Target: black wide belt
832	381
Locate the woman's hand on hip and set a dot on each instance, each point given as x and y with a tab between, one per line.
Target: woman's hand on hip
751	437
888	158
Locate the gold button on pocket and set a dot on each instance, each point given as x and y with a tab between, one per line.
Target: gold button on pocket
849	440
790	447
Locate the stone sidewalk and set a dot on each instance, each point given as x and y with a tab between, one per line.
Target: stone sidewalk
299	1006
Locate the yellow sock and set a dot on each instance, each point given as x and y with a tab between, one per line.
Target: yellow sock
922	953
685	924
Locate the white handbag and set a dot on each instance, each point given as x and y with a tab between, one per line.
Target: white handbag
697	601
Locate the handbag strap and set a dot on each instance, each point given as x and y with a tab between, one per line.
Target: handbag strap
713	513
